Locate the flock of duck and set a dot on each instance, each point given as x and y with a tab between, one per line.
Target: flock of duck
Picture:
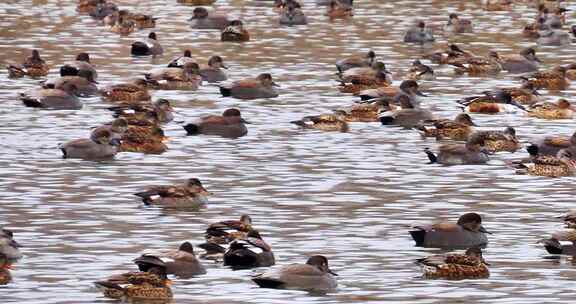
138	121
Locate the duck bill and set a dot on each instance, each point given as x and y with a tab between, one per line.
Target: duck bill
245	121
519	106
14	244
537	59
332	272
224	66
483	230
421	94
275	84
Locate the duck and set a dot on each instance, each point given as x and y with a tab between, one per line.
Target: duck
524	62
33	66
420	71
117	128
553	244
123	26
101	145
292	15
8	246
548	110
477	66
337	10
408	88
498	141
142	21
465	233
419	34
553	37
470	153
571	69
554	79
315	275
82	63
149	47
365	112
85	85
559	165
456	25
179	62
262	86
458	129
356	61
491	103
377	74
144	139
224	232
5	266
49	97
241	254
470	265
323	122
190	194
185	78
133	91
202	19
551	145
230	125
450	55
181	262
235	32
525	95
103	9
498	5
87	6
569	219
213	71
409	116
149	285
162	107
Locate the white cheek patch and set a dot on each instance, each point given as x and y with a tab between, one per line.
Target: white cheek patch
309	122
155	197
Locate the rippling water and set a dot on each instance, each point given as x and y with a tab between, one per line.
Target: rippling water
350	196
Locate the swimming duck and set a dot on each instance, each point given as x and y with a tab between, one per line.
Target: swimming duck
225	232
33	66
9	246
123	26
450	55
569	219
259	87
150	46
419	34
420	71
571	70
475	66
491	103
324	122
314	275
470	265
82	63
142	21
181	262
84	84
553	245
134	91
117	128
377	74
470	153
49	97
103	9
409	88
149	285
356	61
241	254
456	25
190	194
144	139
549	110
497	141
292	15
525	95
87	6
562	164
185	78
101	145
202	19
230	124
524	62
365	112
551	145
553	37
554	79
465	233
458	129
408	116
179	62
336	10
235	32
5	266
161	107
213	71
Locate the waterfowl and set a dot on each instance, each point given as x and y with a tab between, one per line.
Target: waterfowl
450	55
142	21
553	37
292	15
408	88
262	86
213	252
524	62
554	79
456	25
314	275
225	232
498	5
185	78
82	63
532	30
33	66
465	233
420	71
562	164
377	74
355	88
571	70
338	10
554	246
356	61
136	90
235	32
365	112
49	97
87	6
144	139
548	110
117	128
123	26
497	141
202	19
551	145
408	116
569	219
491	103
197	2
181	262
324	122
179	62
149	285
475	66
230	124
150	46
84	83
101	145
8	246
189	194
419	34
241	252
470	153
458	129
470	265
213	71
103	10
525	95
161	107
5	266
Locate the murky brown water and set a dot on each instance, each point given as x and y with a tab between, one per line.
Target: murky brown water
348	196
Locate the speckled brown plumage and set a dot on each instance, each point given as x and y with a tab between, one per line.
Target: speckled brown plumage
365	112
127	92
458	129
455	266
554	79
548	110
324	122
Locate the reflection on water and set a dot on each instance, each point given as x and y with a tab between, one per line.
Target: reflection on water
349	196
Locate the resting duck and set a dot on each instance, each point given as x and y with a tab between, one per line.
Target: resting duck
101	145
190	194
420	71
375	75
450	55
365	112
465	233
262	86
456	25
524	62
225	232
356	61
49	97
185	78
419	34
8	246
179	62
336	10
491	103
409	116
84	83
33	66
235	32
241	253
134	91
549	110
497	141
202	19
562	164
150	46
230	124
82	63
470	153
458	129
470	265
475	66
324	122
551	145
161	107
213	71
554	79
181	262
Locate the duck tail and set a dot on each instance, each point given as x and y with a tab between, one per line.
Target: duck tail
191	129
387	120
418	236
300	123
64	153
212	248
139	49
431	156
30	102
267	282
226	92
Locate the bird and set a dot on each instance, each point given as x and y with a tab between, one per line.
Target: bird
224	232
249	252
190	194
459	128
491	103
553	244
562	109
49	97
213	71
8	246
470	153
496	140
323	122
5	266
101	145
456	25
181	262
33	66
82	62
356	61
419	33
202	19
263	86
148	47
235	32
409	116
470	265
465	233
230	125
